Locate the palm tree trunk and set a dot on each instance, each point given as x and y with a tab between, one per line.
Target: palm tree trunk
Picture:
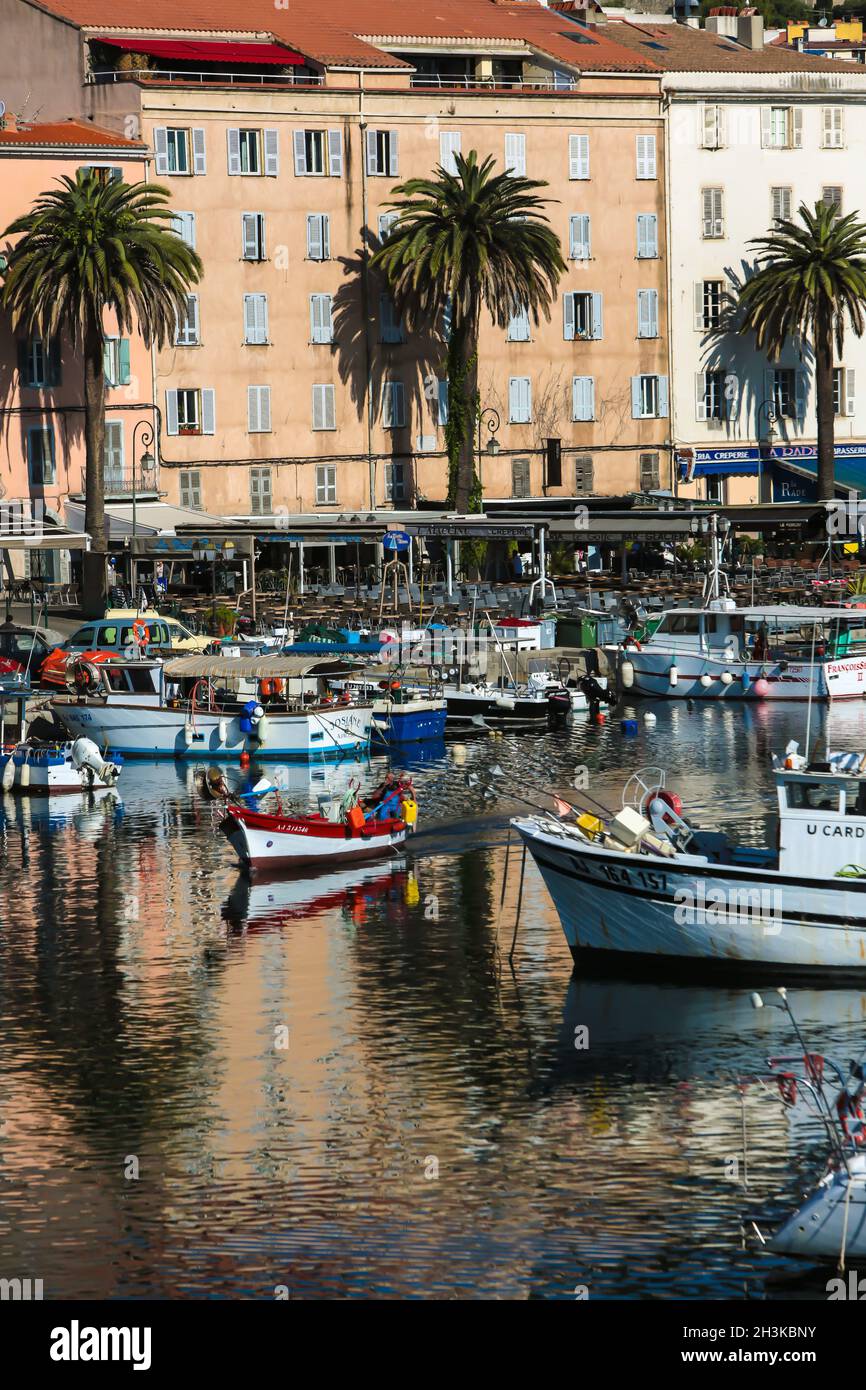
826	422
95	585
460	432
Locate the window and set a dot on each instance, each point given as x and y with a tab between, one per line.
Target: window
786	388
579	238
253	236
382	153
578	156
321	323
520	481
831	195
582	315
190	412
583	398
255	318
781	127
318	236
258	409
649	397
832	127
518	326
261	500
647	313
326	484
709	303
179	151
649	472
712	127
115	361
386	222
39	362
324	417
395	482
253	151
40	455
780	204
393	405
103	173
716	489
183	225
187	332
318	153
190	488
519	400
113	453
712	212
647	236
449	146
646	156
583	479
844	400
389	322
710	396
515	155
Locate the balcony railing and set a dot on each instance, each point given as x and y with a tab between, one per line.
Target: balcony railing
221	79
144	482
432	80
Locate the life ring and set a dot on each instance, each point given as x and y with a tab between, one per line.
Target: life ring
141	632
632	642
346	698
669	798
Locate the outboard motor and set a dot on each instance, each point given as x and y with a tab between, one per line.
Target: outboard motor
595	692
87	758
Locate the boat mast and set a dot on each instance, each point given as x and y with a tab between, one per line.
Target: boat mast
716	582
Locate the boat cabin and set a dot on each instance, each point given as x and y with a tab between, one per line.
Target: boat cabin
784	632
822	819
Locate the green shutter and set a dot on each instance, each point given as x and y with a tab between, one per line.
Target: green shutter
124	362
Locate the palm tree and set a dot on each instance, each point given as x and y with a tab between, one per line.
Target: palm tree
87	249
461	240
810	281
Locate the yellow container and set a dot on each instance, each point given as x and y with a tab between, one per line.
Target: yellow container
410	812
590	825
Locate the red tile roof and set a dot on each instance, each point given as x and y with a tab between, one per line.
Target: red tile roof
362	34
678	48
71	132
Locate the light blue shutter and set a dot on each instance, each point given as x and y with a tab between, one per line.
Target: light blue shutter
199	157
233	137
568	317
123	358
393	163
107	363
326	237
314	237
171	412
335	153
663	397
249	225
597	317
372	161
514	398
208	412
580	237
583	398
443	403
300	149
160	146
526	398
647	236
645	314
272	151
636	411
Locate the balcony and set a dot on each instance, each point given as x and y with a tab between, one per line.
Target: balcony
170	76
120	486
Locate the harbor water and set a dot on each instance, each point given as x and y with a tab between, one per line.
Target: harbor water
335	1085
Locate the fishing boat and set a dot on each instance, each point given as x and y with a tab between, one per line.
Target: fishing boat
344	828
645	886
217	707
57	768
830	1222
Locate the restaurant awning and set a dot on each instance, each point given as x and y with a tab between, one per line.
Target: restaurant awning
187	51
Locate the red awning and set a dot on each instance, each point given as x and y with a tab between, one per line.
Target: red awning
254	54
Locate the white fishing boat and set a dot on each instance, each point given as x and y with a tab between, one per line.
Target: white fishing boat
645	886
208	707
57	768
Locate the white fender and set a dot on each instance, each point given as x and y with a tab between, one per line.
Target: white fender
188	731
626	675
263	728
727	678
673	674
223	729
706	681
8	774
24	772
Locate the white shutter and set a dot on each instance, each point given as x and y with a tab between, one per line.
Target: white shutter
568	317
583	397
208	412
647	236
834	127
191	336
712	127
335	154
449	146
663	397
513	398
199	157
636	399
393	160
578	156
250	236
258	409
766	126
320	318
700	323
299	146
713	213
233	137
171	412
250	318
515	155
597	317
318	408
850	393
372	161
797	124
272	151
252	409
160	145
647	314
580	237
646	156
330	416
700	396
314	237
326	237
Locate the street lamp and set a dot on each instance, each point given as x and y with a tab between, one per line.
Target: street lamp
489	417
147	463
768	406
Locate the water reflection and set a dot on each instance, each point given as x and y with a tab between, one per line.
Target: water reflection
430	1129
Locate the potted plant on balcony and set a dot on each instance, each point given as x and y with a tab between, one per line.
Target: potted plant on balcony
223	621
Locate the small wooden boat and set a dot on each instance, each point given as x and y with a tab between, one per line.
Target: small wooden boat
361	831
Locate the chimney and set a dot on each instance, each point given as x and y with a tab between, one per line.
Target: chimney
725	25
750	31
